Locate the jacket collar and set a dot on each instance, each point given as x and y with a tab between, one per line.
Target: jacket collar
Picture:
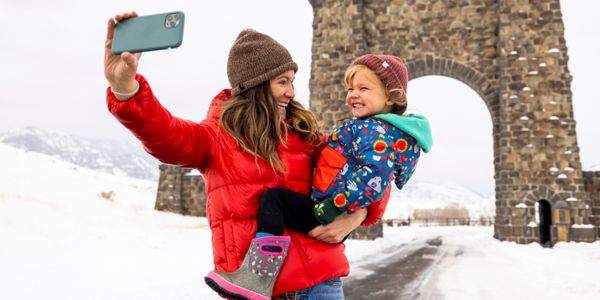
215	108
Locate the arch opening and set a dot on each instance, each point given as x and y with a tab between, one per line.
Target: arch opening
544	218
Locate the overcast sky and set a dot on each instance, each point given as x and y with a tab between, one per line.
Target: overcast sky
51	74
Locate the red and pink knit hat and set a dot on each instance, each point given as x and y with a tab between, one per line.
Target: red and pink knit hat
390	69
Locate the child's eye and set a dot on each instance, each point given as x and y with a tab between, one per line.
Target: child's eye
350	89
363	88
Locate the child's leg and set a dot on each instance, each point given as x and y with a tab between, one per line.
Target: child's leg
257	274
279	207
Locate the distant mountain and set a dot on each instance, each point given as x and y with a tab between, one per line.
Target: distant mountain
113	157
426	195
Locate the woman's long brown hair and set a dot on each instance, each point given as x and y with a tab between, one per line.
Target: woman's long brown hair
252	119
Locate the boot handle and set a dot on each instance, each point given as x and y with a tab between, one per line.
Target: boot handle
278	249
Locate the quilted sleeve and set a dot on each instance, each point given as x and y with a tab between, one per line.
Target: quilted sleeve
170	139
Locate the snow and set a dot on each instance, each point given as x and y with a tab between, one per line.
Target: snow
582	226
481	267
521	205
61	240
554	50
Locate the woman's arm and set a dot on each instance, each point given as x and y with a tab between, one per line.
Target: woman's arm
170	139
130	99
337	230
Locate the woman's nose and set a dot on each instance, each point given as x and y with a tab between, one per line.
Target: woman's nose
290	93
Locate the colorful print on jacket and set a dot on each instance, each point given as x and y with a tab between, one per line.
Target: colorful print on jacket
361	159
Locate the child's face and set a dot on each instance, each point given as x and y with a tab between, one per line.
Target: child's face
366	95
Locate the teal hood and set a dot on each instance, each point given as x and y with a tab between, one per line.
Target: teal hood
415	125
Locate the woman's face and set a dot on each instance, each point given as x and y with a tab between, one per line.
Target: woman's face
282	89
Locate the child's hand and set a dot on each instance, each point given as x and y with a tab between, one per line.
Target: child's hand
336	231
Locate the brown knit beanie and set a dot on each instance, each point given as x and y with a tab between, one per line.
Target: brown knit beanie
390	69
255	58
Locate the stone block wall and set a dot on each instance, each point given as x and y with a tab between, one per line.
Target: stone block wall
584	234
518	234
367	232
180	191
591	181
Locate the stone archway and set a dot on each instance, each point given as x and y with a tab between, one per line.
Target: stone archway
512	53
544	212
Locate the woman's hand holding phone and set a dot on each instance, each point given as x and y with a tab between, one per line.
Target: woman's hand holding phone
120	70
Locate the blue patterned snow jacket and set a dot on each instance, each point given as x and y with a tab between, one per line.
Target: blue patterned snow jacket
364	155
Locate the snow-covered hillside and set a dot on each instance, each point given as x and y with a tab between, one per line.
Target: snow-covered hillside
110	156
62	240
419	195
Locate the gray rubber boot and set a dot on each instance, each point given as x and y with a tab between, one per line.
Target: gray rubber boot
256	276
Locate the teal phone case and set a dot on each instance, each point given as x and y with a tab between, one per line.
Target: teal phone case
149	33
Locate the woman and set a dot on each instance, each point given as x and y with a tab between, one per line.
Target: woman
256	137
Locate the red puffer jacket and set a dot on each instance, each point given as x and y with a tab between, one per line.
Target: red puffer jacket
234	183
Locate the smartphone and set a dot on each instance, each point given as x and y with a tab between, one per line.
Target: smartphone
149	33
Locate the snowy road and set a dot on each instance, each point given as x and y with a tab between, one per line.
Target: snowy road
405	274
413	263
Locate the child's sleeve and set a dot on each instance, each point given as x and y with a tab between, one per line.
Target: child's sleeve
408	162
369	174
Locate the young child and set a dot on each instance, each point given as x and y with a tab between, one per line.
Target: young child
362	157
